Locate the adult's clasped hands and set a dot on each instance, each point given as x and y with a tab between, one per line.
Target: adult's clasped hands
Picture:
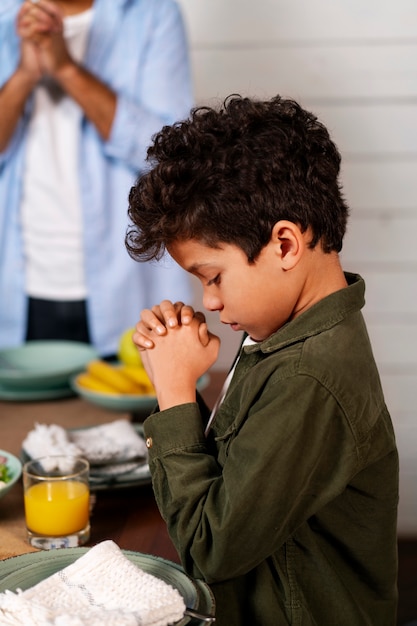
176	349
43	48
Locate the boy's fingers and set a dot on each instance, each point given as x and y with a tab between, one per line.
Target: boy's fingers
176	313
200	317
214	340
203	334
187	314
169	312
141	340
152	319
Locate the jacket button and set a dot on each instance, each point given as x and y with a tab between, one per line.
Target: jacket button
149	442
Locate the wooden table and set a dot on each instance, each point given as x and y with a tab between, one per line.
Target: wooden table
128	516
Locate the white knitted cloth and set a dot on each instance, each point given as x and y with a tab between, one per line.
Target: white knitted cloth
101	588
107	443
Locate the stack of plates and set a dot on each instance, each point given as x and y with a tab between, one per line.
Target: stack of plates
41	370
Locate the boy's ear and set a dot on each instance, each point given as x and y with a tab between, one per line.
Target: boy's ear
289	243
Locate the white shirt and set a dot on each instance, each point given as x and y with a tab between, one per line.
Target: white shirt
248	341
51	211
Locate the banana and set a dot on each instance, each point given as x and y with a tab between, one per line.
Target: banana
112	377
139	376
94	384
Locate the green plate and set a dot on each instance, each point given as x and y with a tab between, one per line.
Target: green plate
15	469
43	365
26	570
35	395
123	402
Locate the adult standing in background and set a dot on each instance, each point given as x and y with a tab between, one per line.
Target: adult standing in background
84	85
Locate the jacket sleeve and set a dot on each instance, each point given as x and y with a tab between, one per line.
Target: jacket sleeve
273	468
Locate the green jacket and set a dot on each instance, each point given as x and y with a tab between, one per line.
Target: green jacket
288	508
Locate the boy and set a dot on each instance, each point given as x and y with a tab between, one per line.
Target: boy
285	501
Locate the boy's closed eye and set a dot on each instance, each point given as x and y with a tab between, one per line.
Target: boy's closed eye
214	281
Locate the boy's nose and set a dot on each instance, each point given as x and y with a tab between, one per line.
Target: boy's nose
212	303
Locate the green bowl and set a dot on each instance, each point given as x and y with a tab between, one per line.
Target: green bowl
15	469
45	364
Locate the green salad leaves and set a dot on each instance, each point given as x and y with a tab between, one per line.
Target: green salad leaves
5	476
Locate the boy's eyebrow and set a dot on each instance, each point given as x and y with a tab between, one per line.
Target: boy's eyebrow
194	268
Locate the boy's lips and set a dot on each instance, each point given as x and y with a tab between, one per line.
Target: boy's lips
233	325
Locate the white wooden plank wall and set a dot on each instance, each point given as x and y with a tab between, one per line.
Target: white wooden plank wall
354	64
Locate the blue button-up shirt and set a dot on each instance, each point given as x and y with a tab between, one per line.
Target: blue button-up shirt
138	48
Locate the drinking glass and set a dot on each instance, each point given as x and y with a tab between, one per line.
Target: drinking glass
57	501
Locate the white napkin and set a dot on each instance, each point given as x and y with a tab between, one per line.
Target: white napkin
101	588
113	449
106	443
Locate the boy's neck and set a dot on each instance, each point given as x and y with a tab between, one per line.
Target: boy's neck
324	277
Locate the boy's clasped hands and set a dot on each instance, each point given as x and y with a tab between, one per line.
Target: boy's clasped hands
176	349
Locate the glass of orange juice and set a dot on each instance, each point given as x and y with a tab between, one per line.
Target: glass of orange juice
57	501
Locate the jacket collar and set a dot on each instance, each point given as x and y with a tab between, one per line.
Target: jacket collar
320	317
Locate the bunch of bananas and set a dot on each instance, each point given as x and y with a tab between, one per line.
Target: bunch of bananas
116	379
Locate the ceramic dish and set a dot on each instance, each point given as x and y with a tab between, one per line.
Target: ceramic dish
123	402
35	395
43	365
15	469
27	570
118	481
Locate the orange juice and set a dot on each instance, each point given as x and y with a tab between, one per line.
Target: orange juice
57	507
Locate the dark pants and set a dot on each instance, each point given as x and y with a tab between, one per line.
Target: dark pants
50	319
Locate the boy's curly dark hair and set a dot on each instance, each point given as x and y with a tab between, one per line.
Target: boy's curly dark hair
229	175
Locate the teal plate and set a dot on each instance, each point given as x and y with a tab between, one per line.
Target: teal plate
40	365
26	570
35	395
